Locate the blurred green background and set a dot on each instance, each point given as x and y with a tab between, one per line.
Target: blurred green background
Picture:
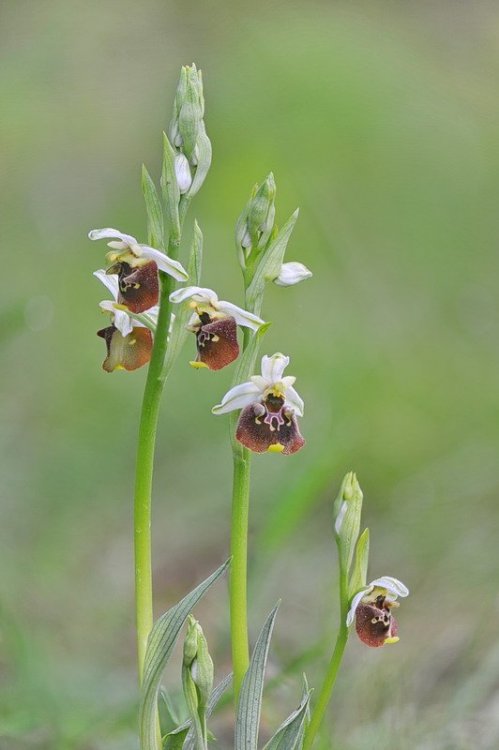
380	120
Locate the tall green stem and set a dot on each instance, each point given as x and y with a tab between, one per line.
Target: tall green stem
238	571
144	474
333	668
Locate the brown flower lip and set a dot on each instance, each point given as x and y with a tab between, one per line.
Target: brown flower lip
269	426
138	285
216	341
126	352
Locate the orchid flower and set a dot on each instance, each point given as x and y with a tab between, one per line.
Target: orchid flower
136	266
214	322
269	406
371	609
128	341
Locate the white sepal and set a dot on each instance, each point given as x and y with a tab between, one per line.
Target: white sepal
164	263
110	281
355	603
238	397
273	367
392	585
197	293
110	233
292	273
242	317
293	400
121	320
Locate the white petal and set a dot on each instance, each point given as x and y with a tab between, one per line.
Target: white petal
123	322
274	366
198	293
295	401
292	273
392	585
164	263
242	317
109	280
183	173
260	383
238	397
109	233
355	603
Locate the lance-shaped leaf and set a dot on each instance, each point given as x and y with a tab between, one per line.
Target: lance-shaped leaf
250	698
155	227
160	645
358	578
170	190
271	261
179	331
291	731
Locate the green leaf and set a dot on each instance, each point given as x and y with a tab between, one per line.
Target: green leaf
170	191
179	331
358	578
155	227
270	264
160	645
291	732
250	697
175	740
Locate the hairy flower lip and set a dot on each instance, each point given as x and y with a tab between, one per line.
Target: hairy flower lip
373	603
126	243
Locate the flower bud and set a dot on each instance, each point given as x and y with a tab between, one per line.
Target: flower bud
182	173
348	509
255	224
292	273
188	112
198	662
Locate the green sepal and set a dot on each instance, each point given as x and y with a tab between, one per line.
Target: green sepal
155	224
203	162
358	579
185	729
170	191
270	263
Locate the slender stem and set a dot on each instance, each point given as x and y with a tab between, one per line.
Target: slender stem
144	474
238	571
333	668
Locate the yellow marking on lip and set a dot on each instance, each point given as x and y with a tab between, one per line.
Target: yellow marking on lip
275	448
198	365
393	639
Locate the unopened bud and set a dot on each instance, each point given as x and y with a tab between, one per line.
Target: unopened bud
188	112
182	173
292	273
261	212
348	509
198	660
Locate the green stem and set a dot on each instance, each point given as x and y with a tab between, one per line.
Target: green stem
144	474
238	570
334	666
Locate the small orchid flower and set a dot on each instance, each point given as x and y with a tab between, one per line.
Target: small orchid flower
269	406
292	273
136	266
214	322
371	609
129	342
